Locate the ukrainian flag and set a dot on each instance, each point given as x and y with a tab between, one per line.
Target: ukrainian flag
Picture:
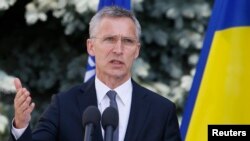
220	93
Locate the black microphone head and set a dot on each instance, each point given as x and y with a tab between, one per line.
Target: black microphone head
110	117
91	115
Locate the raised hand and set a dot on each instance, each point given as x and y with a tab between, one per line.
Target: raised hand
23	105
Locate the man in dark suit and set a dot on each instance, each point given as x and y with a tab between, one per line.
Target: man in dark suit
143	114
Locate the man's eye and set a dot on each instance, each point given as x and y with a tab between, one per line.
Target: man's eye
128	41
109	39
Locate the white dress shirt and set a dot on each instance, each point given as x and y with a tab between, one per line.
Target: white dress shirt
123	99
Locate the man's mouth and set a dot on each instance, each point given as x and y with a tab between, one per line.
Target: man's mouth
116	62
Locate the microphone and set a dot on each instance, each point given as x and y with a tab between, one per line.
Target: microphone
110	120
90	119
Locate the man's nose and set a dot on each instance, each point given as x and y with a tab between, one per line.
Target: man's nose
118	46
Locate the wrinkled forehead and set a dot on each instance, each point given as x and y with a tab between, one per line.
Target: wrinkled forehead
114	19
116	24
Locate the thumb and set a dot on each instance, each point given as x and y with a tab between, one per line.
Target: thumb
17	83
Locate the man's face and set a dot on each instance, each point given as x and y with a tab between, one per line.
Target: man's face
115	47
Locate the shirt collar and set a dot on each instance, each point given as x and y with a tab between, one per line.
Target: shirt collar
124	91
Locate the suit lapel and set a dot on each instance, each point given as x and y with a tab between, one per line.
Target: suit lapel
138	113
86	98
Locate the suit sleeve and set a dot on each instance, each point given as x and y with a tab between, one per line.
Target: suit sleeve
48	125
172	130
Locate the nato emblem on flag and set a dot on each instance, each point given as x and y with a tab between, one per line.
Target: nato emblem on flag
90	70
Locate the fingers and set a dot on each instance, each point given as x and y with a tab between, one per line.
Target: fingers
18	87
21	96
17	83
30	108
25	103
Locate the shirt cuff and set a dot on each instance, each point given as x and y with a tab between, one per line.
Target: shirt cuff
17	133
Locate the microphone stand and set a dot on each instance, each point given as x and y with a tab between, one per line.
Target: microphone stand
88	132
109	133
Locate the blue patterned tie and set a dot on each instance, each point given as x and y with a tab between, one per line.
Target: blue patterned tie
112	94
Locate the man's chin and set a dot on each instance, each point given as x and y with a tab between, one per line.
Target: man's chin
118	74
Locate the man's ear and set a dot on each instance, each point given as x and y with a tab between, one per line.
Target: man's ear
137	50
90	47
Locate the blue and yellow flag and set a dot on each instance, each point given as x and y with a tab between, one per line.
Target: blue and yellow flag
90	69
220	93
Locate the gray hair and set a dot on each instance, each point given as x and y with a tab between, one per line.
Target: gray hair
116	12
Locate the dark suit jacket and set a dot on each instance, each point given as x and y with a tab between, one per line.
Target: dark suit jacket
152	117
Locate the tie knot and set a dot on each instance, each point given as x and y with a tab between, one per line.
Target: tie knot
111	94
